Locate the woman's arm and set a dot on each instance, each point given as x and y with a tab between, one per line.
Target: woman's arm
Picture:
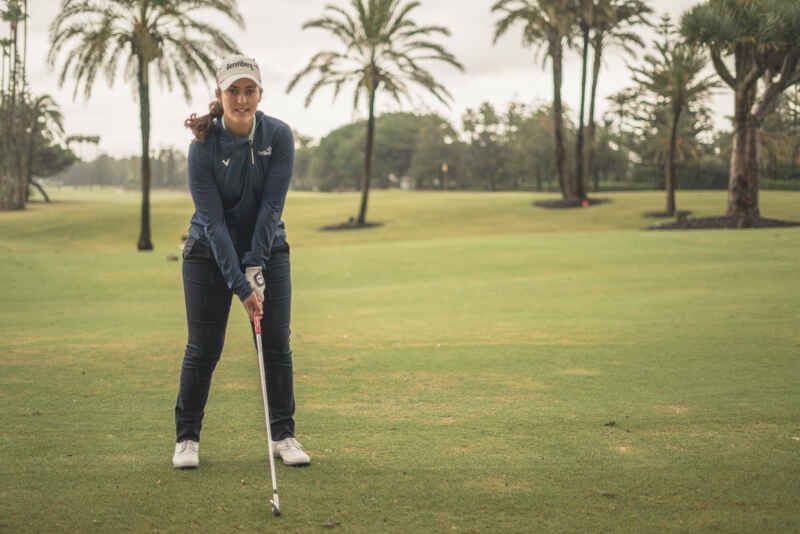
208	206
277	185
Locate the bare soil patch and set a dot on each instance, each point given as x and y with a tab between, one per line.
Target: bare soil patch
714	223
679	214
569	204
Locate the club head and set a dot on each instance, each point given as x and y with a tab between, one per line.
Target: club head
275	510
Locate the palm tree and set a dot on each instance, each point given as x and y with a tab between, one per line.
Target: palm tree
588	14
103	35
612	22
382	48
14	14
44	122
13	174
675	76
547	27
81	140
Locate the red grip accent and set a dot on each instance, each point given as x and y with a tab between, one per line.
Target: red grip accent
257	324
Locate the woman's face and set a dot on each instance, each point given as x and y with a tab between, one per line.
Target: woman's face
239	103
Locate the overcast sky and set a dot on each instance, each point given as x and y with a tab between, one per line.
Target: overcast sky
499	74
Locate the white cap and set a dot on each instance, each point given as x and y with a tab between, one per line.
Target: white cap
236	67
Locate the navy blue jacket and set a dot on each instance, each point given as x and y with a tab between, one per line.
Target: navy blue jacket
239	189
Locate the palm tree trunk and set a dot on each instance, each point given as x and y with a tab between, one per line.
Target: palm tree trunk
598	55
144	117
669	175
25	43
19	174
29	166
13	65
743	181
557	53
3	84
362	212
579	186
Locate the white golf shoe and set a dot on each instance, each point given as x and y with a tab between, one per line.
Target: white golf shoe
187	454
290	451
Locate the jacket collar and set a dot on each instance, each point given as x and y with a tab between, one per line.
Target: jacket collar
230	141
252	130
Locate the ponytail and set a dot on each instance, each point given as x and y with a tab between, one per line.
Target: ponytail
204	125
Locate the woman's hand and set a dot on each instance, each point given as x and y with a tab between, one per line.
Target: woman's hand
253	306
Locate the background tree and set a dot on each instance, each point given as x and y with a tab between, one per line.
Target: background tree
50	160
382	50
614	24
336	163
780	138
44	126
588	14
13	174
674	76
169	35
486	156
82	141
435	146
759	41
547	26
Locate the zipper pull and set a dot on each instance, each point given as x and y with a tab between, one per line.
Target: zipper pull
252	157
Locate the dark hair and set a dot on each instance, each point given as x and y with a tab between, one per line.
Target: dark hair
204	125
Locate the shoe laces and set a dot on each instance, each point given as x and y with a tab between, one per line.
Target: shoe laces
188	444
291	443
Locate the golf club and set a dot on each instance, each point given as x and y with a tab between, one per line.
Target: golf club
276	507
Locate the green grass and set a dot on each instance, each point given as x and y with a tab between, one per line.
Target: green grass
457	370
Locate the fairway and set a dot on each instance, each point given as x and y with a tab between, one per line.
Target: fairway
474	365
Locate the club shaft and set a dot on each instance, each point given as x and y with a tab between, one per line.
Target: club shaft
264	396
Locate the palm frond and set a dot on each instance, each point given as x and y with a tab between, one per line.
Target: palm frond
108	35
382	46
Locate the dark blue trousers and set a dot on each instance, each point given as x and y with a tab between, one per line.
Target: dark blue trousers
208	303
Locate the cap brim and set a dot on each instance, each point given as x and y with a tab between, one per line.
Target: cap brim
227	82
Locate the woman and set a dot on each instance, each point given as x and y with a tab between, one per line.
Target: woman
240	164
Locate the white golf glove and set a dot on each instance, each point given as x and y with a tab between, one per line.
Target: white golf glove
256	279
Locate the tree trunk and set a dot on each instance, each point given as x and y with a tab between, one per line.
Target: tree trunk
25	43
598	57
669	175
144	116
38	186
558	120
580	190
743	180
19	174
29	166
362	212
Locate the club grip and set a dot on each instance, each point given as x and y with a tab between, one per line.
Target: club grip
257	324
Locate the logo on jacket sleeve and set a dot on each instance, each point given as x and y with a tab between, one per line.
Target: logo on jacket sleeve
226	161
266	152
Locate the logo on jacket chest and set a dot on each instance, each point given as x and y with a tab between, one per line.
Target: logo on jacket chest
265	152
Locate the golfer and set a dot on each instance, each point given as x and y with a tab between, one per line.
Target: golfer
240	164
